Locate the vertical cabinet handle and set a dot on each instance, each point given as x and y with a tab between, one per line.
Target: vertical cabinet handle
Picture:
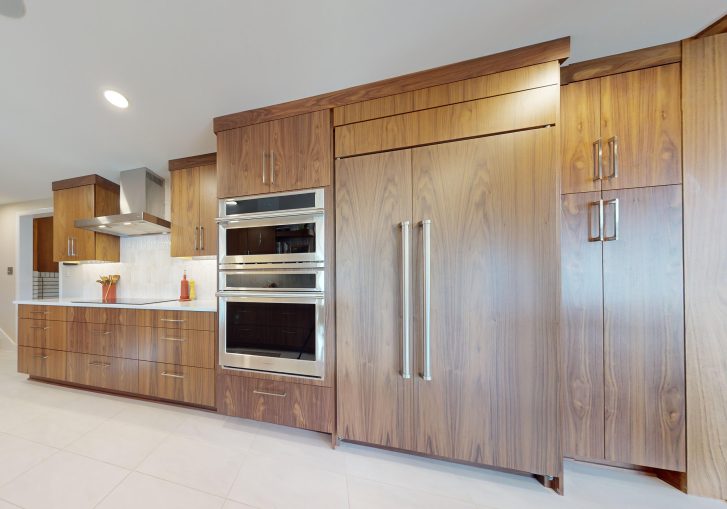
201	238
597	160
272	167
68	246
613	143
599	236
264	157
196	238
614	206
405	302
426	265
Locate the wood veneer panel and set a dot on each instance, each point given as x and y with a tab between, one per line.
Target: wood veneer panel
242	165
185	384
86	180
106	203
301	150
193	161
101	372
290	404
68	205
208	209
39	312
106	315
42	362
106	340
195	320
705	241
510	112
179	346
185	212
558	49
716	28
494	395
623	62
644	329
373	197
580	127
582	327
374	108
643	109
43	245
41	333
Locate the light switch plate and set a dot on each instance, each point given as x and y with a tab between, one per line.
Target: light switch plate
10	271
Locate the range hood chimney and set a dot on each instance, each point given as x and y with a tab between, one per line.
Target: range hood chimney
141	206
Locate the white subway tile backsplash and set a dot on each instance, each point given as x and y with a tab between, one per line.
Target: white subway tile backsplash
146	269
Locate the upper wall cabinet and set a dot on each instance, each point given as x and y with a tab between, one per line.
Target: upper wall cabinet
83	198
622	131
281	155
194	206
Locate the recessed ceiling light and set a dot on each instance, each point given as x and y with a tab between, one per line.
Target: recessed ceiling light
116	99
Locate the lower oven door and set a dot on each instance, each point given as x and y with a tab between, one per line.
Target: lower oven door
273	332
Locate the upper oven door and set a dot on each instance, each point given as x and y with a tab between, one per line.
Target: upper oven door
285	239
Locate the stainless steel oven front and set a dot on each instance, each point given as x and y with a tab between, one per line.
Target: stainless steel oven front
278	332
272	229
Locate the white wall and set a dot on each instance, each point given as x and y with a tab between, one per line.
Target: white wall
9	215
146	269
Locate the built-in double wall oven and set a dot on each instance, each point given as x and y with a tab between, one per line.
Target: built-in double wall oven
271	283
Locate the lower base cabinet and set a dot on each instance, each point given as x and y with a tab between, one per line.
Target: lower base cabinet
42	362
111	373
291	404
185	384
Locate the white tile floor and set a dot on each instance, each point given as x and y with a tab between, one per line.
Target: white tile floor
66	448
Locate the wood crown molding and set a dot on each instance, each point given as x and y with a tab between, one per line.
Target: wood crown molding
557	49
86	180
718	27
623	62
192	161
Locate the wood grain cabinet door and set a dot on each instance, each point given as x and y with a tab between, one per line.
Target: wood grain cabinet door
580	115
644	328
373	198
242	162
493	397
208	210
642	109
301	151
69	205
185	212
582	325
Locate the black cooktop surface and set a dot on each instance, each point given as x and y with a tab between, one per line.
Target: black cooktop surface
134	302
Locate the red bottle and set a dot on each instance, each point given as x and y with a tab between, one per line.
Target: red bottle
184	291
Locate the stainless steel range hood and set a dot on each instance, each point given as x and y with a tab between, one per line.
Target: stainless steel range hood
142	207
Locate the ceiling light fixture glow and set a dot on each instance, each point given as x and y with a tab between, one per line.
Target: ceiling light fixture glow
116	99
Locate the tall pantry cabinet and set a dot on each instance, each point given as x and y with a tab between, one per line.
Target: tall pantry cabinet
447	309
622	322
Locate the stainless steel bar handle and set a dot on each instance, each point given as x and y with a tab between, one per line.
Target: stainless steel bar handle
274	394
272	167
171	320
40	312
103	332
597	160
613	143
201	238
172	375
264	157
42	328
173	339
39	356
68	246
614	203
426	264
196	238
405	301
100	364
599	237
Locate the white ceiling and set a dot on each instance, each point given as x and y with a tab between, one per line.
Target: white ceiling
183	62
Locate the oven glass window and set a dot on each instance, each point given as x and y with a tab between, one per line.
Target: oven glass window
272	329
271	204
292	281
268	240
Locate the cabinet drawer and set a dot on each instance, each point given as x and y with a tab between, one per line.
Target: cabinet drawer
104	339
42	334
179	383
194	320
103	372
302	406
179	346
42	362
106	315
57	313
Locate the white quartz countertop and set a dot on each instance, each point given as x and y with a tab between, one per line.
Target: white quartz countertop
209	306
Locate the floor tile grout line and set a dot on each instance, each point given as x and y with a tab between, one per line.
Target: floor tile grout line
6	483
128	473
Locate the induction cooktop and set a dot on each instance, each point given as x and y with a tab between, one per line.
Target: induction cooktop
134	302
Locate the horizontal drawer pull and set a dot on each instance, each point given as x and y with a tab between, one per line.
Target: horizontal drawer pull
101	332
172	320
172	375
40	312
39	356
173	339
275	394
41	328
99	364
